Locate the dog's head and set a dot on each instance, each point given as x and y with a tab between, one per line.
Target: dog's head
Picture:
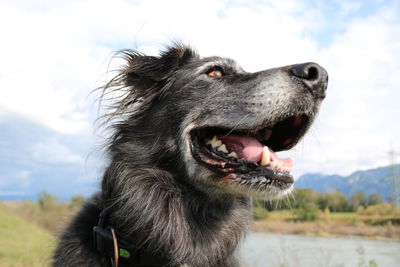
211	124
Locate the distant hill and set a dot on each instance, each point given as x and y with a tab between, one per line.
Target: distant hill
370	181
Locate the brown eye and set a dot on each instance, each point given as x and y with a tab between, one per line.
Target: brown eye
215	72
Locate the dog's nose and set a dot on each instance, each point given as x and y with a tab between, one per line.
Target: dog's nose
313	76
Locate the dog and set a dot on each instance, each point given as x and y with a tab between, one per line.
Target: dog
193	141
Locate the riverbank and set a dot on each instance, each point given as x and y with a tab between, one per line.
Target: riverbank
331	225
327	229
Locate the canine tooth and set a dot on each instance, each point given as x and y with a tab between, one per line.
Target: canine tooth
266	156
233	154
222	148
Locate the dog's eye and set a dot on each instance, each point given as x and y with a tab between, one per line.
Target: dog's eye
215	72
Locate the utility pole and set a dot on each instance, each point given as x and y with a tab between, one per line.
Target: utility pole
395	177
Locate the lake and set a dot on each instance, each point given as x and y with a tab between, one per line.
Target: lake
267	250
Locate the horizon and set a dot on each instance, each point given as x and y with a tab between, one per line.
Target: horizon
67	198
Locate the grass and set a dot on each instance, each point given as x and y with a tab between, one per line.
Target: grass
23	244
28	230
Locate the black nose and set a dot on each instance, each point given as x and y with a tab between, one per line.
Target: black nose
313	76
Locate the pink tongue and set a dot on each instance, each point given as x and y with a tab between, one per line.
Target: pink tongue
250	149
245	147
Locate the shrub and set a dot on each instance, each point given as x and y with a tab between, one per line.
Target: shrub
76	202
47	201
307	212
259	213
379	209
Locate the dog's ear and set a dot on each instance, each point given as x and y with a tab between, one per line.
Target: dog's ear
142	78
149	73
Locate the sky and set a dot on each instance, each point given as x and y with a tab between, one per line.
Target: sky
54	53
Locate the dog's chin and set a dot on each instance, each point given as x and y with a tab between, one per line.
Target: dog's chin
243	161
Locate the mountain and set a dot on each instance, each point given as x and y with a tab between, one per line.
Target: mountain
371	181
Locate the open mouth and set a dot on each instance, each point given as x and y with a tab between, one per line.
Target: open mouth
250	153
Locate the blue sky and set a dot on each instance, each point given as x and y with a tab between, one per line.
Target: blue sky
54	53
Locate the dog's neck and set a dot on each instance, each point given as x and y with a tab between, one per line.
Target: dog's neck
174	218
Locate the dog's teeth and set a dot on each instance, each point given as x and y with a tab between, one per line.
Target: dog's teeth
274	164
215	142
289	169
212	141
222	148
266	156
233	154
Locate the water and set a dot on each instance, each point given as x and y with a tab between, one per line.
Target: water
270	250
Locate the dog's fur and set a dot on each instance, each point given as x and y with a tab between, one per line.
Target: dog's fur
156	193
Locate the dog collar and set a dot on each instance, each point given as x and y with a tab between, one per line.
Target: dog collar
122	251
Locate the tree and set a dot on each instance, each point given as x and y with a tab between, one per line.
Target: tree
374	199
47	201
336	201
357	200
305	196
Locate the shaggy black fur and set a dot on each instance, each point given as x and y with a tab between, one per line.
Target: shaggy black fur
160	190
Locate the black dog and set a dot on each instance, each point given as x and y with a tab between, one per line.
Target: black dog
192	139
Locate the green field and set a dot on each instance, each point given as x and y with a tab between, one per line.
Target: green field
28	230
23	244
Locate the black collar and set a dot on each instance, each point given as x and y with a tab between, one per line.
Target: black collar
106	240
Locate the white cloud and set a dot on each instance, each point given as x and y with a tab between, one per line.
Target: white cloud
54	152
359	117
21	178
53	54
